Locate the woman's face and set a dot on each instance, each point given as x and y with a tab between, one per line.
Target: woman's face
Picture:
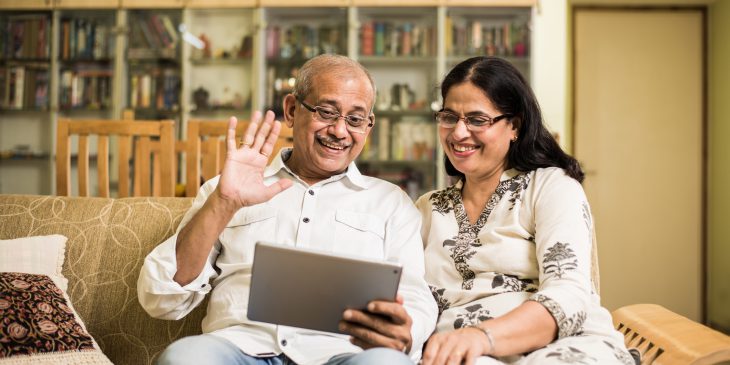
476	153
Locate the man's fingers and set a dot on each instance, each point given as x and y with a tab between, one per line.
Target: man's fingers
366	337
268	148
231	134
277	188
394	311
263	131
250	134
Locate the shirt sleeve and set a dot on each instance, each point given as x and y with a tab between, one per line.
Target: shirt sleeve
160	295
563	227
403	237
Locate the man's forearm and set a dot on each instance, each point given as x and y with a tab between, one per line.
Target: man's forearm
197	238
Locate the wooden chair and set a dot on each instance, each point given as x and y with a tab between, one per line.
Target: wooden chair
206	149
666	338
127	132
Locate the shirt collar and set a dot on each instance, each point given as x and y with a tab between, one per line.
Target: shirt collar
352	173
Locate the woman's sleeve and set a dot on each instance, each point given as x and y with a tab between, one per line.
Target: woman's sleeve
563	239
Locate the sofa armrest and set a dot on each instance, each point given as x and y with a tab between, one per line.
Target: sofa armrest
664	337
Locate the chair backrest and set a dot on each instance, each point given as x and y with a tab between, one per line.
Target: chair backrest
127	132
206	149
663	337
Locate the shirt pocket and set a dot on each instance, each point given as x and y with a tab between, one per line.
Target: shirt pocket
248	226
361	234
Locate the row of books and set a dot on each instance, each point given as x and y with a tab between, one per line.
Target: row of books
86	88
407	139
157	31
157	88
25	37
23	87
85	39
379	38
304	41
508	39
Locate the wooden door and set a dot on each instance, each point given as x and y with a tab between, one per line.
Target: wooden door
639	133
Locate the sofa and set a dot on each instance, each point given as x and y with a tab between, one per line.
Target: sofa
108	240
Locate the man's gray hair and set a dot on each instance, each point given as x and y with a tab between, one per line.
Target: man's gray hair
332	64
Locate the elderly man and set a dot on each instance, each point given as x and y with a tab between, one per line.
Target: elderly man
309	196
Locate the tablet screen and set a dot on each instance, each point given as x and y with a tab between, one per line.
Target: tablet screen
311	289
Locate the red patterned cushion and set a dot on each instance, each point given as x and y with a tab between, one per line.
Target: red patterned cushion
36	318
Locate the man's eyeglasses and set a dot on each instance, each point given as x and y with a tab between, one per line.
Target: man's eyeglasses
473	122
355	123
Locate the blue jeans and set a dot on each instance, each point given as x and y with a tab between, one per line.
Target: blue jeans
209	349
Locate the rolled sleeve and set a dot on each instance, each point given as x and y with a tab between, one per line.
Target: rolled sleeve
563	227
158	293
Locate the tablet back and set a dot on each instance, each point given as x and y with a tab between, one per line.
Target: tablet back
309	289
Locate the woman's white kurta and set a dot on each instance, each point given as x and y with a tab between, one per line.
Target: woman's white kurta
533	242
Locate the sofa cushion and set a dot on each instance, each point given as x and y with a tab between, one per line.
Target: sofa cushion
35	255
39	324
108	240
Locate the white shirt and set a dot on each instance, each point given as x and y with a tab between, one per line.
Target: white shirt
347	214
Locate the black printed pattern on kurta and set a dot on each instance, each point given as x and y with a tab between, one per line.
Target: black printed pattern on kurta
567	326
463	245
438	294
512	283
571	355
621	355
559	260
474	315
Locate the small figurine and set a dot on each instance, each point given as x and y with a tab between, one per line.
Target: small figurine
200	98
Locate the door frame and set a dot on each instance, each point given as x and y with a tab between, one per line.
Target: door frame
704	128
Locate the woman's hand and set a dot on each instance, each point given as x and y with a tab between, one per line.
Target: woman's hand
464	345
242	179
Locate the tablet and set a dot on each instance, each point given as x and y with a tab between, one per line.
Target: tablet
311	289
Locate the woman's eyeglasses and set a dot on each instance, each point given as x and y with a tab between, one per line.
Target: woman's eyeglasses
473	122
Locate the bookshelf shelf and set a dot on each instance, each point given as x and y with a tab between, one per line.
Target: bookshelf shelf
219	61
93	59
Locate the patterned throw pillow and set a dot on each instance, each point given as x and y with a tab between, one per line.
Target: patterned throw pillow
38	324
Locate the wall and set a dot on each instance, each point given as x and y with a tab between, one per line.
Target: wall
549	66
718	313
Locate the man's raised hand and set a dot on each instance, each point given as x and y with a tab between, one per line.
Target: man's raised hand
242	178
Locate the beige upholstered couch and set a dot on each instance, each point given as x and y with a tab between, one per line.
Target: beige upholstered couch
108	240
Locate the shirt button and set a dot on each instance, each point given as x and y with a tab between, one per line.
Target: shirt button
311	192
283	342
306	220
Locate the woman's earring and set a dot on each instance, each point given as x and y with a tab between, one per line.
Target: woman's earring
514	139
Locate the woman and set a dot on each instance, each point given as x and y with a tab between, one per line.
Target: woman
508	246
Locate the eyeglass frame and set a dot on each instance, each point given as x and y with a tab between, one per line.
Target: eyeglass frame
315	109
469	125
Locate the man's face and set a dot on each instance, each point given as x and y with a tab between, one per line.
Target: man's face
322	150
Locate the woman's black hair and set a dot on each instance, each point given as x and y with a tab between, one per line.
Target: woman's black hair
503	84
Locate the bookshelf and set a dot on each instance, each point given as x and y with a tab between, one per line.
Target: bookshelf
218	69
291	37
86	61
399	47
136	56
25	100
154	63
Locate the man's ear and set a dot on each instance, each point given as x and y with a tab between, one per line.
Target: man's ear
290	103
